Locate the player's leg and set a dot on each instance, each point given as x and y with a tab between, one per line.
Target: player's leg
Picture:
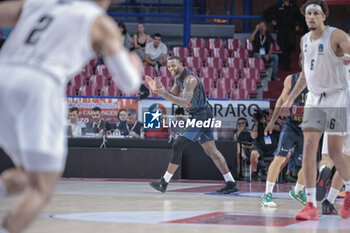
178	147
345	208
311	141
325	170
38	192
254	160
327	204
13	181
219	160
279	159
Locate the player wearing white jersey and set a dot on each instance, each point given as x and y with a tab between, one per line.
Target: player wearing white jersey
324	74
52	40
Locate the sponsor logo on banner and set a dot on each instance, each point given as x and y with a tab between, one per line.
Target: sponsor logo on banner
151	120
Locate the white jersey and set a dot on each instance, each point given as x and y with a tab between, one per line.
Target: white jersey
323	70
53	37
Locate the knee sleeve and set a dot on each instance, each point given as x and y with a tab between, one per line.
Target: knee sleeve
178	146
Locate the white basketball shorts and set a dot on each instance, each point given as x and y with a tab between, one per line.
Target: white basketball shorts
32	119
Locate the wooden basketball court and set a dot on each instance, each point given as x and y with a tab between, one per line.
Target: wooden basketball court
129	206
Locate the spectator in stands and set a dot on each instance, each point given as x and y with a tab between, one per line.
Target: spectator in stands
97	125
156	52
125	35
287	19
121	117
74	125
244	141
264	146
131	126
262	43
140	41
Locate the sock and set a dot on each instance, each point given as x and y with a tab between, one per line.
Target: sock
311	195
347	185
167	176
2	230
321	168
3	190
269	187
298	187
332	195
229	177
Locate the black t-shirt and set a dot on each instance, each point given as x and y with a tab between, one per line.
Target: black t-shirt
262	41
104	125
245	138
125	128
270	142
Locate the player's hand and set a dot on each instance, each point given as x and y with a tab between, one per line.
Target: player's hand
346	60
161	90
269	129
285	108
152	83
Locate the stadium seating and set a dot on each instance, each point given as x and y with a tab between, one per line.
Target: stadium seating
230	73
241	53
149	70
276	48
249	85
196	42
240	94
220	53
235	62
208	84
215	43
195	63
208	72
214	62
200	52
225	84
87	91
233	44
218	94
181	52
251	73
112	91
102	70
258	63
164	72
98	81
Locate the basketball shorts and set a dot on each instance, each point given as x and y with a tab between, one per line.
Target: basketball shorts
32	120
346	146
290	139
327	112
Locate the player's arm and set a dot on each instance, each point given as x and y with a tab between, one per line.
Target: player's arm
343	41
190	84
175	90
283	97
10	12
125	67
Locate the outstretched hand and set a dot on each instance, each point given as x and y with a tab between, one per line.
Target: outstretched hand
152	83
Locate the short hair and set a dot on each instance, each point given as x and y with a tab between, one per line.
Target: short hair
243	119
321	3
175	58
157	35
96	109
74	109
131	111
179	111
121	110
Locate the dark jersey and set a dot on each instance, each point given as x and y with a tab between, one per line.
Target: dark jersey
199	100
297	109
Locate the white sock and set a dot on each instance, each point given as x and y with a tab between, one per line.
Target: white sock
167	176
347	185
229	177
3	190
332	195
321	168
269	187
311	195
2	230
298	187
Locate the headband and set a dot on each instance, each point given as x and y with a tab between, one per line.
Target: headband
314	7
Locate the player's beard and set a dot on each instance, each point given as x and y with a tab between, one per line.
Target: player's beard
312	28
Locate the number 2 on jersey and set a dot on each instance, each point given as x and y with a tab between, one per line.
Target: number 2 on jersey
42	25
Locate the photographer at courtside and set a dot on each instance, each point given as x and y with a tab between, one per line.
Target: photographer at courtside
264	146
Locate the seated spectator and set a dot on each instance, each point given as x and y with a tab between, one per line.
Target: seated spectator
121	117
262	43
74	125
131	126
244	142
97	125
140	41
264	146
156	52
125	35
